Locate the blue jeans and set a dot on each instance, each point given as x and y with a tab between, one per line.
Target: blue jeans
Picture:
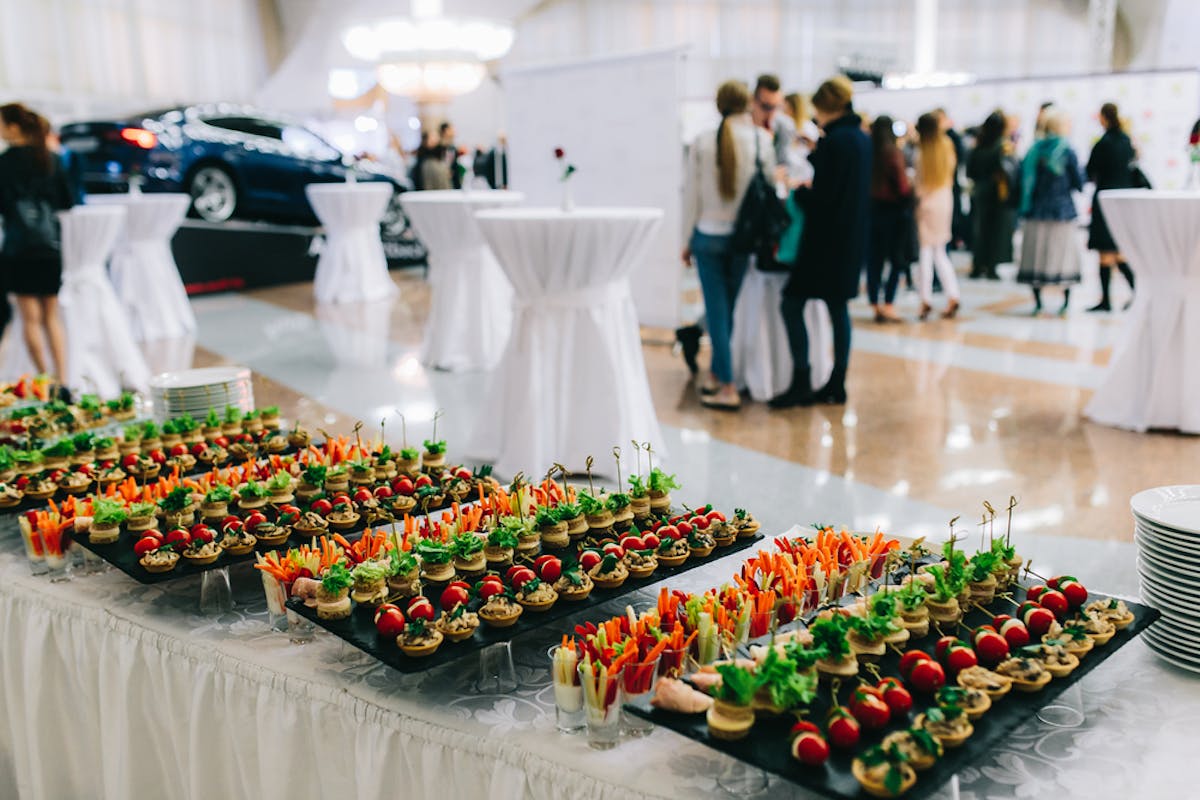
721	271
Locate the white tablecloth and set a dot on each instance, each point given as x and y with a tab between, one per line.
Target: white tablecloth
1152	380
102	356
110	690
571	382
142	268
352	267
762	360
469	310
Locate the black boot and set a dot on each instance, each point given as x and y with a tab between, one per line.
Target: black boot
832	393
1105	281
1128	275
798	394
689	341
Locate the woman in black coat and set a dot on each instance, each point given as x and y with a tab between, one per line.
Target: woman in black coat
993	171
1109	168
833	245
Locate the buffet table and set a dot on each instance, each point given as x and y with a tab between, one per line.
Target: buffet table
469	312
142	268
352	267
116	690
1151	381
572	380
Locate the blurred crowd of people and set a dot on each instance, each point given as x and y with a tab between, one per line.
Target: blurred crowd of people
870	198
440	163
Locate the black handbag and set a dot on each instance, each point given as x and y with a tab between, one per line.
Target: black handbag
35	228
1137	178
761	220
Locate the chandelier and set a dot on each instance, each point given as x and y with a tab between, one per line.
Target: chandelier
429	57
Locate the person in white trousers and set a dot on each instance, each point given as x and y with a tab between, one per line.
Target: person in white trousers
935	167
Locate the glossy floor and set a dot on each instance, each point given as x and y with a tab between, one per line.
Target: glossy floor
942	415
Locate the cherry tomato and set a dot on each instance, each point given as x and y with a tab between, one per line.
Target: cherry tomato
389	620
927	677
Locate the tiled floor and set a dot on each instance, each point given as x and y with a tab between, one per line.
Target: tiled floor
942	415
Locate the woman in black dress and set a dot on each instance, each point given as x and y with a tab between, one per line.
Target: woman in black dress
1109	168
33	189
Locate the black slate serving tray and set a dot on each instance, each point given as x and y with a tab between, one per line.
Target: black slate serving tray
359	628
768	746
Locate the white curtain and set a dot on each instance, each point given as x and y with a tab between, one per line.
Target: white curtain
71	58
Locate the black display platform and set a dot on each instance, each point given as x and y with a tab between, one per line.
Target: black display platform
359	628
768	746
218	257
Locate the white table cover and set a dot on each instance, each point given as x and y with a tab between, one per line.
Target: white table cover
110	690
470	314
352	267
1152	380
571	382
102	356
762	359
143	269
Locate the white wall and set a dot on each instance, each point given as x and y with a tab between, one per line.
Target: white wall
618	121
71	58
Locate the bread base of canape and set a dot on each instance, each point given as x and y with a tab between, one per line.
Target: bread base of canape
660	501
498	621
842	668
334	609
42	494
1103	638
404	586
104	535
725	539
729	722
370	597
865	650
746	531
859	770
1120	623
672	561
921	762
240	549
1063	670
898	638
78	489
609	582
344	523
214	510
994	694
420	650
537	606
1029	687
156	567
701	552
140	523
947	741
11	502
572	593
644	571
279	537
456	636
1080	647
200	561
432	460
975	712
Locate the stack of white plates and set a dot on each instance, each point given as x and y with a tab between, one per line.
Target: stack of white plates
195	391
1168	537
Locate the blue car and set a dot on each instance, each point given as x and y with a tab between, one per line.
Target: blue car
233	161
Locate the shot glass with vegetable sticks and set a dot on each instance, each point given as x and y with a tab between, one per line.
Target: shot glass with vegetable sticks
601	689
568	691
637	687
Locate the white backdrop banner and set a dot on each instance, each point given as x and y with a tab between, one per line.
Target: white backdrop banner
1161	107
618	121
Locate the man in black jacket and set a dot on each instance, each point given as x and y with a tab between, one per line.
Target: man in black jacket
833	244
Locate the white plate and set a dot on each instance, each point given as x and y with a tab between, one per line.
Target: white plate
200	377
1165	585
1188	637
1176	507
1169	570
1169	654
1169	602
1166	543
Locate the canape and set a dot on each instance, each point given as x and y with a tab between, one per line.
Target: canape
141	516
552	527
700	544
500	611
949	724
237	541
162	559
672	552
434	455
343	517
404	574
469	559
201	549
724	533
745	523
1027	674
536	595
41	489
1113	610
252	494
991	683
75	482
1054	657
919	747
882	772
107	516
659	485
333	595
610	572
973	702
574	584
419	639
458	624
640	563
437	561
311	524
370	583
1095	626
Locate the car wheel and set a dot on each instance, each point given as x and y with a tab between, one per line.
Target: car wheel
214	194
394	222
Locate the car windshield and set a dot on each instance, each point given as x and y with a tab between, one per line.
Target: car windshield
306	143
